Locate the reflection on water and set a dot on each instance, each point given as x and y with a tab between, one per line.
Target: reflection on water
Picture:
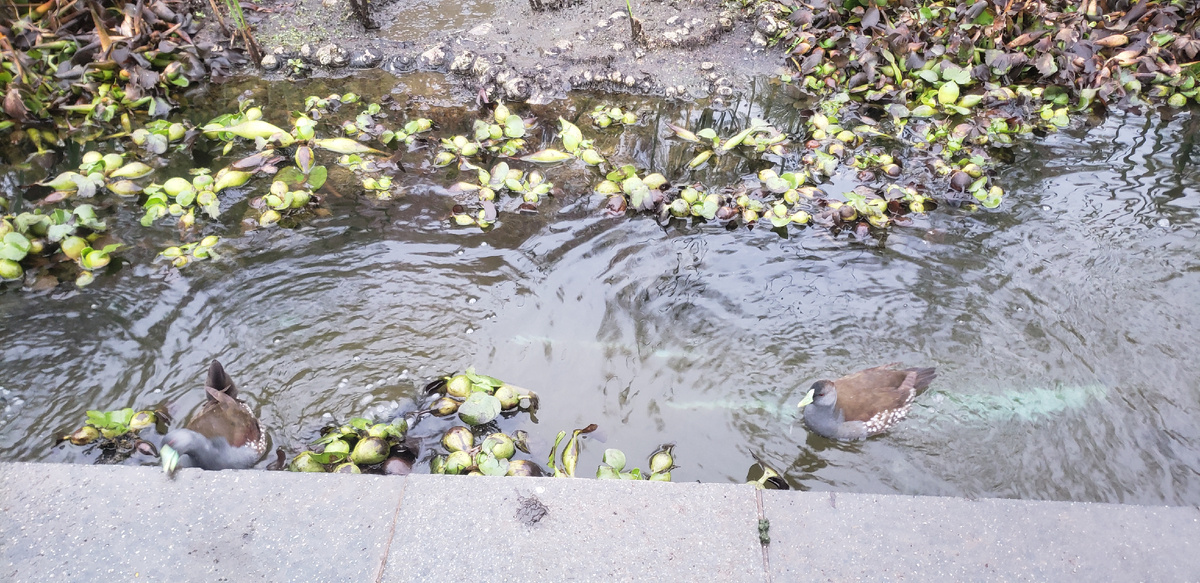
1063	327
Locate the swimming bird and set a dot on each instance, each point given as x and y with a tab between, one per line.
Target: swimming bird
224	435
865	403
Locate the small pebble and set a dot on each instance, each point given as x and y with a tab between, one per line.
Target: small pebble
707	66
1164	223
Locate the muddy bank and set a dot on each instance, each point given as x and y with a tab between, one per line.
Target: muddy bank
507	50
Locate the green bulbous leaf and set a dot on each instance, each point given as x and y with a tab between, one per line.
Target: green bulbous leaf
457	462
499	445
654	181
370	451
491	466
317	177
14	246
615	458
458	438
305	462
230	179
514	126
662	461
523	468
700	159
251	129
344	146
73	247
479	408
132	170
10	270
638	193
547	156
571	135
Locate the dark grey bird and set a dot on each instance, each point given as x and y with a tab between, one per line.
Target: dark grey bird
224	435
866	403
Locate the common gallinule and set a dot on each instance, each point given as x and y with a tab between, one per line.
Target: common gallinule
224	435
865	403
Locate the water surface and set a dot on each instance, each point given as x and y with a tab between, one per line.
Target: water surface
1062	324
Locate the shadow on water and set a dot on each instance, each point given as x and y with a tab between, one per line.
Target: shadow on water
1062	324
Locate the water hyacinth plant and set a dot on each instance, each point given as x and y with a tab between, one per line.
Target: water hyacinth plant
182	255
115	433
760	137
359	446
606	115
35	237
499	181
503	135
474	447
613	466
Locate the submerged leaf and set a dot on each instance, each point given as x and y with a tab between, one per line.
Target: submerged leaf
547	156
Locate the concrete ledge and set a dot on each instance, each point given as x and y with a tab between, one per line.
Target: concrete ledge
857	537
545	529
83	523
65	522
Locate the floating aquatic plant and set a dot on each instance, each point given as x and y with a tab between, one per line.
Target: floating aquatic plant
359	446
606	115
34	236
115	433
182	255
500	180
759	137
613	466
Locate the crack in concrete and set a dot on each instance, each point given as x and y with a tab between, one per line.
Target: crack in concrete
766	548
387	546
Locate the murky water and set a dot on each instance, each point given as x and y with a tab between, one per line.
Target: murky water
424	17
1063	326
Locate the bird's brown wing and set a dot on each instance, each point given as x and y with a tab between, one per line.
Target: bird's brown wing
866	393
224	416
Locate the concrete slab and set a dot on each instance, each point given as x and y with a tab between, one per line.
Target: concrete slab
537	529
62	522
85	523
857	537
